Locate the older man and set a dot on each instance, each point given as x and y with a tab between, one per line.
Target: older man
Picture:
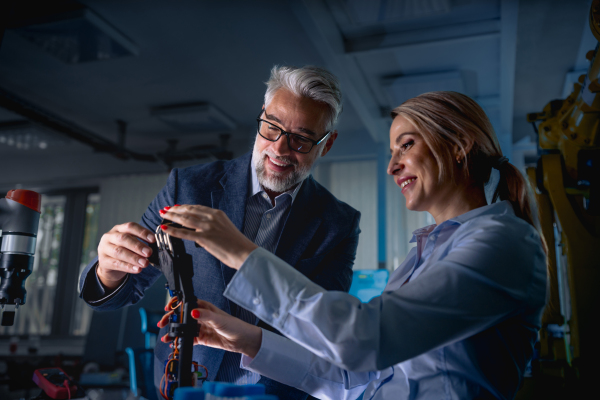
269	195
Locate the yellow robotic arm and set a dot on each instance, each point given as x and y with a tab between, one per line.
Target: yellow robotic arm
567	183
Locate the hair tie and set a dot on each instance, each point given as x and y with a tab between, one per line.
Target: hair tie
499	162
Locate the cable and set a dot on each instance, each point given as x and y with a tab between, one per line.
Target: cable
66	384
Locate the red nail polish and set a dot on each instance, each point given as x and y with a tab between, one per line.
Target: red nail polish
195	313
162	211
176	205
163	227
167	207
158	324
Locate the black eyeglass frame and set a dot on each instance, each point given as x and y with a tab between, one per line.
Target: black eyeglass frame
287	135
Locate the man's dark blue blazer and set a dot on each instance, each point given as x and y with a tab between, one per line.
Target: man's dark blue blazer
319	239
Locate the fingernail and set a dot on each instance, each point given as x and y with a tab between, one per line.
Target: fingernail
146	251
163	227
142	261
136	269
176	205
195	313
166	308
162	211
167	208
162	339
158	324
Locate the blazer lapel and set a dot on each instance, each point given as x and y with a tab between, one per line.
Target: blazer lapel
232	198
301	225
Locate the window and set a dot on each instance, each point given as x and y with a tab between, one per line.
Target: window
83	314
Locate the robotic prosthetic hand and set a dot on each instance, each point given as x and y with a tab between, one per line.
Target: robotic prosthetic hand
19	219
177	266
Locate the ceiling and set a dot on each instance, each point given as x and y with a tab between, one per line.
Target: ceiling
135	79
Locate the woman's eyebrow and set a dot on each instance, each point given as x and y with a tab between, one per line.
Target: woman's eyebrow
404	134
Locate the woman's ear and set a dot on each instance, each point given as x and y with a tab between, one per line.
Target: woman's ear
458	154
460	151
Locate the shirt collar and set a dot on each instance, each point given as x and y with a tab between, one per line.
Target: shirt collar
257	188
501	207
498	208
425	229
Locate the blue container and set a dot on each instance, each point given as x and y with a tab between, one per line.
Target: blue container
228	390
231	390
208	387
223	390
368	283
188	393
254	390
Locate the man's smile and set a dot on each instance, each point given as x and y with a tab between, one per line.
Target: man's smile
278	165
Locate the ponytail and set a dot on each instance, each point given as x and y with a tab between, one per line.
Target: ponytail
513	187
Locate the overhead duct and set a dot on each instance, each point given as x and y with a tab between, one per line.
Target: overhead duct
68	129
72	131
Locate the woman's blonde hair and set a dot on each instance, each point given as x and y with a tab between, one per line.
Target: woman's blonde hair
455	126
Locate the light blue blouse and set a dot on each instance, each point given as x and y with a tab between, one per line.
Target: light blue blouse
462	327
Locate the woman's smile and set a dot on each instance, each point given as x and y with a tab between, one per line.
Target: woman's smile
405	182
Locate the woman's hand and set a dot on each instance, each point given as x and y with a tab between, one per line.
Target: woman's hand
222	331
212	230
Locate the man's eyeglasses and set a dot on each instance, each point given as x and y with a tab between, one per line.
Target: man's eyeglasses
297	143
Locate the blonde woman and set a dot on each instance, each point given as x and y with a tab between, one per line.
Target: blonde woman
458	318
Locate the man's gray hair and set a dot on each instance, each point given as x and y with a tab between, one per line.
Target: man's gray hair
311	82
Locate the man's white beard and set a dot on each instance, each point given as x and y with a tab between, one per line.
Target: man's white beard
275	181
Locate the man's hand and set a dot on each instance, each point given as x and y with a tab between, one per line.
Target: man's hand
120	252
222	331
212	230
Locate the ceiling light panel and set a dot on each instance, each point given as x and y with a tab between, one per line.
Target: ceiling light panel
360	18
195	118
400	89
77	36
381	11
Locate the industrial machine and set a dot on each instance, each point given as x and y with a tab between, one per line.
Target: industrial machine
19	219
566	183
